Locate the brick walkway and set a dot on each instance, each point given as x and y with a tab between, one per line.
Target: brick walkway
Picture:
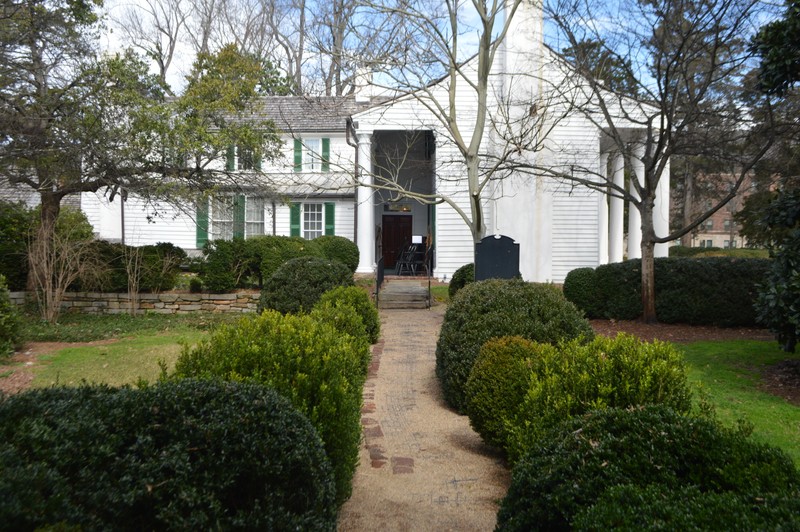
422	466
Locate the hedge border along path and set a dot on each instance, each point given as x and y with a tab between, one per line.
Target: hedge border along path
422	466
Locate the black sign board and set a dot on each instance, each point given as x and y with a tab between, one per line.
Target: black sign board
496	257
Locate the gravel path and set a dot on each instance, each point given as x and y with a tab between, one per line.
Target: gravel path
422	466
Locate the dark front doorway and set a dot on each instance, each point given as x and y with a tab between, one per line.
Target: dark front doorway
396	237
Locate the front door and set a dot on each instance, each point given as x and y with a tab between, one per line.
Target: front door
396	236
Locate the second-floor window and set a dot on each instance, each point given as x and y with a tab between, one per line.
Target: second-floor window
312	154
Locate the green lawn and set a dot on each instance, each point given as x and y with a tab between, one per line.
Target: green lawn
729	373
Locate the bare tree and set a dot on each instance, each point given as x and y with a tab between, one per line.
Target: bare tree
155	27
690	62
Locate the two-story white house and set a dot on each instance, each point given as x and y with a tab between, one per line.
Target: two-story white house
337	150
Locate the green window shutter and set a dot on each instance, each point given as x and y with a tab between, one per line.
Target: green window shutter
230	161
201	215
326	155
238	216
298	155
294	219
330	217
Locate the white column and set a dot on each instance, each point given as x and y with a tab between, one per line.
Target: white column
661	212
634	217
616	227
365	231
602	226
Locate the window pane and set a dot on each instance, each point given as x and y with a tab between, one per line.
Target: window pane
312	220
222	217
245	159
312	155
254	217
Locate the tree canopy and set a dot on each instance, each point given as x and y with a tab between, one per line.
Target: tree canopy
778	46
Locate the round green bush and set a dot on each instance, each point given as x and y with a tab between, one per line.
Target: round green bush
619	289
318	369
580	287
578	462
499	307
359	300
299	283
226	264
10	322
346	320
462	277
339	248
161	265
629	507
183	455
274	251
577	377
497	384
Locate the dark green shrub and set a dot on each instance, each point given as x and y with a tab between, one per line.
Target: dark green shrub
462	277
319	370
16	221
359	300
277	250
629	507
195	285
708	291
339	248
576	464
345	320
580	287
499	307
226	265
574	378
175	456
619	288
497	384
299	283
685	251
10	322
161	265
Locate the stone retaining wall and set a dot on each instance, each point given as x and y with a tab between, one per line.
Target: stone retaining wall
166	303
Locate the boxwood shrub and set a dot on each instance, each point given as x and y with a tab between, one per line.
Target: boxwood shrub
574	378
318	369
183	455
698	291
10	322
159	267
275	251
577	464
299	283
462	276
497	385
361	302
339	248
499	307
652	507
346	320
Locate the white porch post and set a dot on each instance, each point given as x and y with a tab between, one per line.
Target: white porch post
617	215
634	216
365	231
661	213
602	226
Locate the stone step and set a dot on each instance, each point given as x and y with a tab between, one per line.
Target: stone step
398	294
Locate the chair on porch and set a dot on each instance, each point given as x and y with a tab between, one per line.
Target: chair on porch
405	262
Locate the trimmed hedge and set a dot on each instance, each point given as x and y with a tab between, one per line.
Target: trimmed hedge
227	266
159	267
579	462
183	455
462	277
499	307
339	248
497	384
10	322
321	371
275	251
299	283
574	378
360	301
698	291
630	507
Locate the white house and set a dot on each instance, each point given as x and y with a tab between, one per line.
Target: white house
337	152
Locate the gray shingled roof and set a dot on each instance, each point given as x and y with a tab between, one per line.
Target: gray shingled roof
309	114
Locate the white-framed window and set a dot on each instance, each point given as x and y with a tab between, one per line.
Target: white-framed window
313	220
230	218
312	154
222	217
245	158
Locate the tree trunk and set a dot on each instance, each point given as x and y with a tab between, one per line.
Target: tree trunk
648	264
688	207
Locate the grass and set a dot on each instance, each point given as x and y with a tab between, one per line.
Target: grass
728	374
